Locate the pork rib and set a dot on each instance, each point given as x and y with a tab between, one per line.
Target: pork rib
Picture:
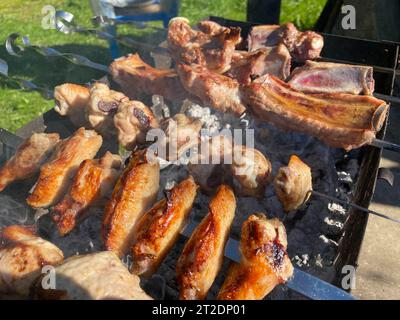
340	120
301	45
327	77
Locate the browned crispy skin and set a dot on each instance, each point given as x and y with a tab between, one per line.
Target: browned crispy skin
135	77
293	183
28	157
92	185
340	120
247	66
264	263
132	121
203	254
302	46
214	90
22	256
211	47
135	191
56	174
327	77
71	101
158	229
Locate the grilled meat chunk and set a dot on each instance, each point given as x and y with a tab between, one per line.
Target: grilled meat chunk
56	174
214	90
26	161
22	256
92	185
247	66
203	254
301	45
340	120
264	263
293	183
135	77
72	101
96	276
135	191
132	121
326	77
211	47
103	105
158	229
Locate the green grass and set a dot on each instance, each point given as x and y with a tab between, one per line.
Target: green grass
17	108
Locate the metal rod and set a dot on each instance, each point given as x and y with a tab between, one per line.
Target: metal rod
356	206
301	282
385	145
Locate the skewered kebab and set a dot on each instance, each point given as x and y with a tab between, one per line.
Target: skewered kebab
135	191
339	120
301	45
96	276
56	174
22	256
29	156
327	77
203	254
264	263
211	47
158	229
92	185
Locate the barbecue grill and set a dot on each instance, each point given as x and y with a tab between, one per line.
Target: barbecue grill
383	56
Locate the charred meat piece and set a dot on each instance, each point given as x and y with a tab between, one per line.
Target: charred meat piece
22	256
181	134
135	76
92	186
103	105
132	121
247	66
56	174
203	254
96	276
26	161
158	229
326	77
214	90
135	192
340	120
251	171
264	263
211	46
72	101
293	184
301	45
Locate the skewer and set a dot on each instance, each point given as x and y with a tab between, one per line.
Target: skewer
16	49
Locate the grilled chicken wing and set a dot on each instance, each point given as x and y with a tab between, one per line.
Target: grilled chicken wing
158	229
214	90
92	185
264	263
135	191
340	120
293	183
103	105
247	66
22	256
301	45
96	276
135	76
203	254
56	174
71	101
28	157
132	121
211	47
